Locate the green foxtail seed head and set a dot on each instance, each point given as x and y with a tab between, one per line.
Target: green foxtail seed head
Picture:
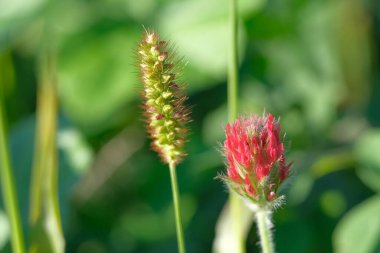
165	113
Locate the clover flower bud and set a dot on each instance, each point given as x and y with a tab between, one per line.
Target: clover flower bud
255	155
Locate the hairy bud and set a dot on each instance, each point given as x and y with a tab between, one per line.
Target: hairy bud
255	158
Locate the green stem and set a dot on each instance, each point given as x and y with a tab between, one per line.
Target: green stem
177	209
264	226
233	64
234	200
8	189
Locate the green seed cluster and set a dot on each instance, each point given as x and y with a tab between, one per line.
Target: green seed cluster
165	113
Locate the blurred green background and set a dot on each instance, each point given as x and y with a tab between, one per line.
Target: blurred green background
315	64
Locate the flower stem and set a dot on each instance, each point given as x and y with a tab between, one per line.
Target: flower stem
234	200
8	189
264	228
233	64
177	209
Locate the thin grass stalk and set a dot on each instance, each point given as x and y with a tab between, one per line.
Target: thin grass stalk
233	79
234	200
8	187
177	208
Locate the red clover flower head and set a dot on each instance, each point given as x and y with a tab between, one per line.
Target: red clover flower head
255	155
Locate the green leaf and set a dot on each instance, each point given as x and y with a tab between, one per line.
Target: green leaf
71	166
335	197
144	224
286	232
359	230
4	229
97	75
7	75
301	188
367	152
203	38
15	14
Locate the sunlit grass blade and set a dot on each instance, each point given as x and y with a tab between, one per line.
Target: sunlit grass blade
45	221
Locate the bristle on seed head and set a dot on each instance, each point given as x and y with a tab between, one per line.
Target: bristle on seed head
165	113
